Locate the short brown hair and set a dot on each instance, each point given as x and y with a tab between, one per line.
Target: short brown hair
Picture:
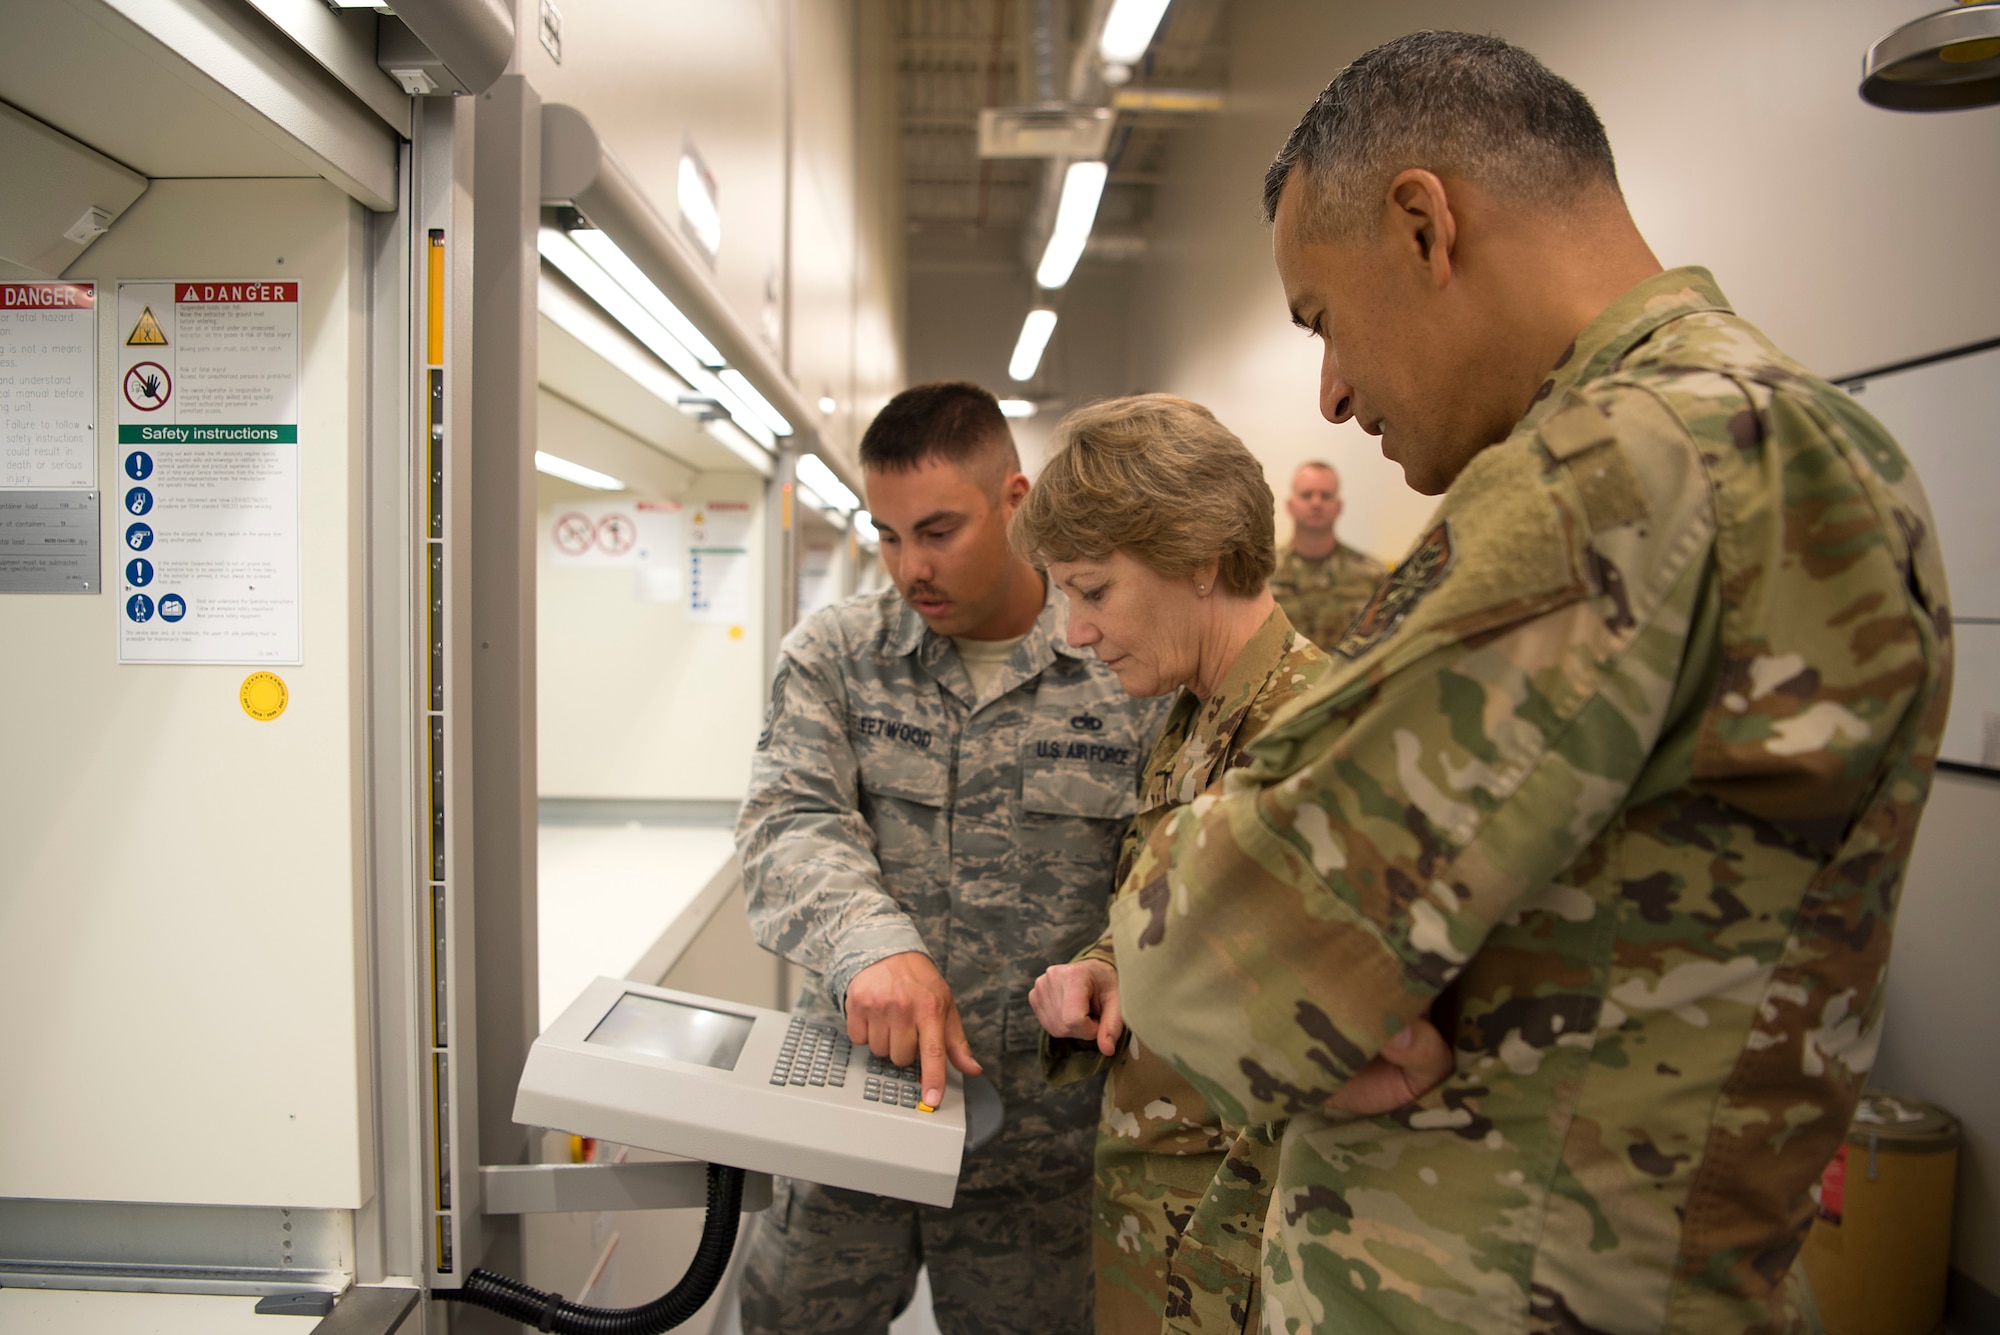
953	420
1158	478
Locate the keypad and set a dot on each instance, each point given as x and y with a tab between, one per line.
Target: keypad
818	1054
891	1084
813	1054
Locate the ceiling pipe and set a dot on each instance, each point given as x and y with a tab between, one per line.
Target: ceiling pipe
1085	86
579	171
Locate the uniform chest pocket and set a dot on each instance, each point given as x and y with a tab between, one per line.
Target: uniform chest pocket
903	759
1081	757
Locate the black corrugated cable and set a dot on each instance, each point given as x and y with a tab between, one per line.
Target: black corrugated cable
549	1312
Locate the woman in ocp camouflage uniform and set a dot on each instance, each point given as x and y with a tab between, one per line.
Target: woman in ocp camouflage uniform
1157	522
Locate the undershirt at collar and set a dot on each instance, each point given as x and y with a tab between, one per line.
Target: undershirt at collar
983	659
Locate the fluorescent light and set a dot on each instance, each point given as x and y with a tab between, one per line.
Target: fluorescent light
756	402
813	471
1083	187
555	466
1017	407
561	251
1035	331
864	529
1129	29
591	326
630	277
827	405
697	199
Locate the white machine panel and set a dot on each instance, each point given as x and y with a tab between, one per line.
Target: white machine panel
734	1084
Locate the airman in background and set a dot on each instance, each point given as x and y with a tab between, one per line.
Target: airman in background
1617	775
1320	581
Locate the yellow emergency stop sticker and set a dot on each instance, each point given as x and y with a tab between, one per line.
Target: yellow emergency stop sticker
263	696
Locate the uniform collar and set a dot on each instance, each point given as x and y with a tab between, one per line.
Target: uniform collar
1044	641
1211	725
1623	326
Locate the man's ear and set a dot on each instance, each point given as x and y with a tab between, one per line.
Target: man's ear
1013	491
1420	221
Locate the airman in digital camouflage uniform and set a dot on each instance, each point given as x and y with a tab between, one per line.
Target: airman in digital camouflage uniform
1618	773
934	813
1321	582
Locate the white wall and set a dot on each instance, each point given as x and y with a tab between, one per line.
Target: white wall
180	886
1842	230
1851	235
635	700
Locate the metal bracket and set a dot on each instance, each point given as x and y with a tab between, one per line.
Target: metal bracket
570	1188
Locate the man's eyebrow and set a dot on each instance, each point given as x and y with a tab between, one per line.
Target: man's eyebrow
936	517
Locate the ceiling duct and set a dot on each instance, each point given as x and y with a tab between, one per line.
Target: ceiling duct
1054	130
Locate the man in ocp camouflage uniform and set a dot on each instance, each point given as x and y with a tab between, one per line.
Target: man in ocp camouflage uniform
1320	581
934	812
1618	774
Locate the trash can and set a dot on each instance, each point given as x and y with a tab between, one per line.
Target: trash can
1879	1251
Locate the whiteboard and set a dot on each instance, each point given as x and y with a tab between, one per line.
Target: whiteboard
1946	415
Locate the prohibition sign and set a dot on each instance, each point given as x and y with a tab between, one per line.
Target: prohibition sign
148	387
616	534
573	534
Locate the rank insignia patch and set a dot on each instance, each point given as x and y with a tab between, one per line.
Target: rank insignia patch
1419	573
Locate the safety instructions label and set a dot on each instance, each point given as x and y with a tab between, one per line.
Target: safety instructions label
48	378
208	472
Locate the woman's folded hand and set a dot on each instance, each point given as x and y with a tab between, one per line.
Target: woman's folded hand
1080	1001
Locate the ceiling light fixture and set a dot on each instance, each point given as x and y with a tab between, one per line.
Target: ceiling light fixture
1035	331
1083	189
814	472
569	259
1017	407
1947	61
630	277
758	404
556	466
1129	29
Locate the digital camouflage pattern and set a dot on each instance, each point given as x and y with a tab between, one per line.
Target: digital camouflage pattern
1623	798
1321	596
1158	1144
890	811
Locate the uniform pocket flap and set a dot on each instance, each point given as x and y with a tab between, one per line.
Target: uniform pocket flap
1071	777
902	759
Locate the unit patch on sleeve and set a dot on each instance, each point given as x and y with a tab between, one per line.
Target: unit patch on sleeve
1419	573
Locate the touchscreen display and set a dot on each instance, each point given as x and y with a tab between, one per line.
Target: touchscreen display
674	1030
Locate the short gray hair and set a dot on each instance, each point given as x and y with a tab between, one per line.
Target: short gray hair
1453	103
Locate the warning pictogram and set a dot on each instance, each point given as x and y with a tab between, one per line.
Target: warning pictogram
147	386
574	533
616	533
147	333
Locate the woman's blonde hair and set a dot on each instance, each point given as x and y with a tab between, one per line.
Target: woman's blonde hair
1158	478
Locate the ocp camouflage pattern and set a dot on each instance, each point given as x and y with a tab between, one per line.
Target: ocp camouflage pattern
1321	596
890	811
1158	1143
1624	803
